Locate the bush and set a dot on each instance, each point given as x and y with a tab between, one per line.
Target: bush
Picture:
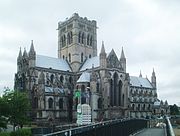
21	132
4	134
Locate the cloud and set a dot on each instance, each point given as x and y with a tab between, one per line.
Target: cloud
148	30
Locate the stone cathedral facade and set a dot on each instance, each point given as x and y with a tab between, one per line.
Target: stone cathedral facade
102	79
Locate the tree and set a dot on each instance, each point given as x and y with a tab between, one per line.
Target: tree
19	105
174	110
4	108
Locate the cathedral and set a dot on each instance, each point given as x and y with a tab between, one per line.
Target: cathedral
101	80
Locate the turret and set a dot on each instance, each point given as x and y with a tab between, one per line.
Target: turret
32	55
123	60
153	79
103	62
19	60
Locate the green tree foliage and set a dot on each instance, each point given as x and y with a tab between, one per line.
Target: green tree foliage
174	110
18	105
4	109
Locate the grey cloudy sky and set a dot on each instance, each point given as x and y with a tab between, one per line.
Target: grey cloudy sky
149	31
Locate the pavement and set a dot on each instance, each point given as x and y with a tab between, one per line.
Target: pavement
152	132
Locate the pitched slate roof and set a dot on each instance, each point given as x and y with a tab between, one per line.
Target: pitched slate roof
140	82
85	77
50	62
90	62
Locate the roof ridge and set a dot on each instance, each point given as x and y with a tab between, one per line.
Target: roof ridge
50	57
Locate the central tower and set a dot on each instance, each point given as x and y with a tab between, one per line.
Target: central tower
77	40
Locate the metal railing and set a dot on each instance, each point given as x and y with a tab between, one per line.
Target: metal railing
169	129
122	127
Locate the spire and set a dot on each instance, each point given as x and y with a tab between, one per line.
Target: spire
122	54
153	79
123	60
102	55
32	52
20	54
32	46
102	48
25	53
153	73
140	75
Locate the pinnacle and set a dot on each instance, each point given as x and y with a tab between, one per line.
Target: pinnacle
25	53
102	48
20	53
122	54
153	73
140	75
32	46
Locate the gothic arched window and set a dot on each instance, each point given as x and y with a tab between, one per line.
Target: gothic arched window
120	92
52	78
88	39
149	107
71	37
82	57
139	107
111	92
61	41
79	37
50	103
61	103
68	38
144	107
64	40
99	103
97	87
115	91
69	57
61	79
82	40
70	80
123	100
91	41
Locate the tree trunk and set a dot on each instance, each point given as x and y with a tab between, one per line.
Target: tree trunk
14	127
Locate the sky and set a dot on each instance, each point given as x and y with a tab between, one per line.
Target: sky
148	31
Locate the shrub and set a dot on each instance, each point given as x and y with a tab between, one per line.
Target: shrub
21	132
4	134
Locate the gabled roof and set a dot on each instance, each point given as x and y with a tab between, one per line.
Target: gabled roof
140	82
50	62
112	60
84	78
94	61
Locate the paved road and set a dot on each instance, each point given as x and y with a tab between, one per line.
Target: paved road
152	132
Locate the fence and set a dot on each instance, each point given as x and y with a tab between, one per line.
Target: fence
118	127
